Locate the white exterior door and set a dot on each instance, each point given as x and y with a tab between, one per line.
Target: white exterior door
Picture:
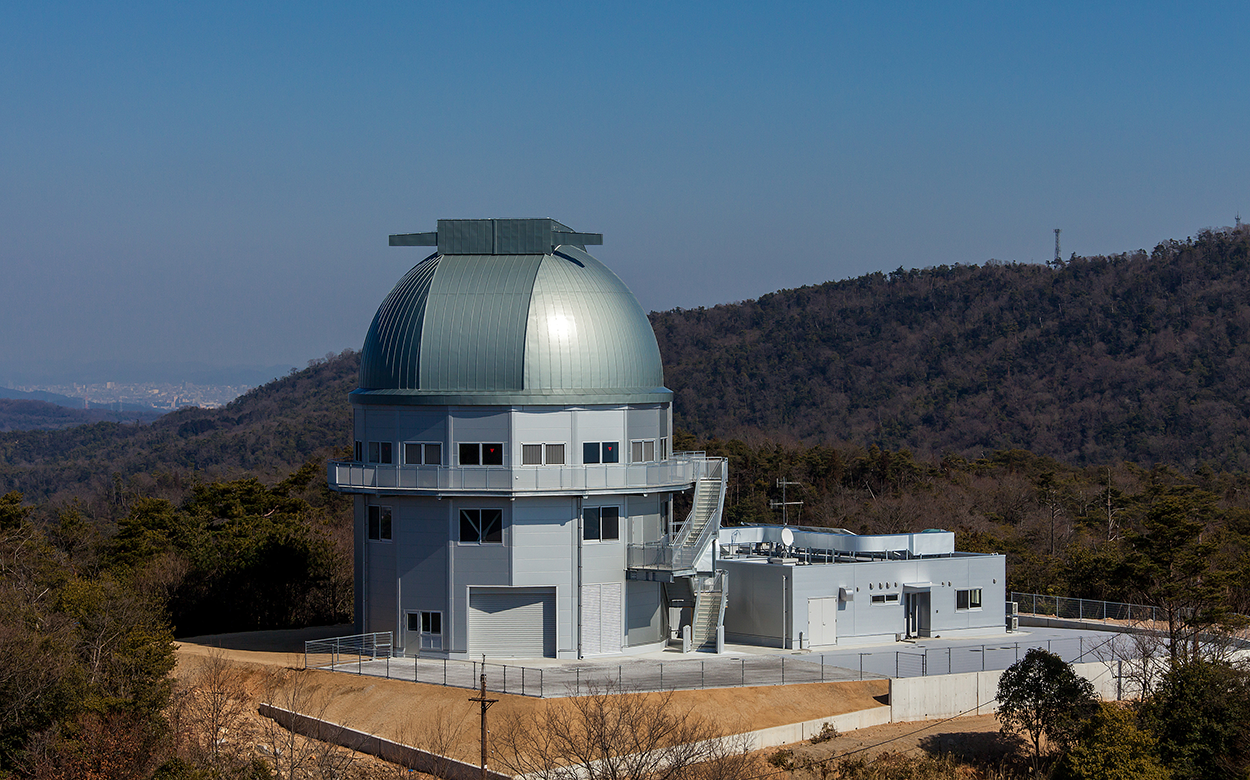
822	621
601	619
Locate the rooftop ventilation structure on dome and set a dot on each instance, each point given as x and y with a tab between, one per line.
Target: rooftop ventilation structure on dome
498	237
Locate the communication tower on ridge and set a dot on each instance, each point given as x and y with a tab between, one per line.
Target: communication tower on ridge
1058	257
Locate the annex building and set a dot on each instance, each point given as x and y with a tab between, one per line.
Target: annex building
515	481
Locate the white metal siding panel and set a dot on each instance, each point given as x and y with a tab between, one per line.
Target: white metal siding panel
512	622
610	617
601	619
591	606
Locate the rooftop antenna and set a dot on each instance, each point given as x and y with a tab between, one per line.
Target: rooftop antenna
1238	218
783	503
1058	256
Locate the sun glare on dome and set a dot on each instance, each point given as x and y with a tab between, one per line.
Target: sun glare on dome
561	327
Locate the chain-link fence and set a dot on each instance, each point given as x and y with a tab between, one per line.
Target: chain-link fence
372	657
1084	609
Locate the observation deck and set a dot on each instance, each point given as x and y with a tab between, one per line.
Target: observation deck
679	472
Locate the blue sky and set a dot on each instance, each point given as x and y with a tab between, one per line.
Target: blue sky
215	182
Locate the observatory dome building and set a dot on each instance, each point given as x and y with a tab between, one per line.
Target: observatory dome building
515	482
513	464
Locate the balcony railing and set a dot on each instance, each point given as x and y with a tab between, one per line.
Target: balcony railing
681	469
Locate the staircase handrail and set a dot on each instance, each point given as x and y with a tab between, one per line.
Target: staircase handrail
688	555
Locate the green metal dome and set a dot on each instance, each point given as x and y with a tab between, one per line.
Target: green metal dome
529	320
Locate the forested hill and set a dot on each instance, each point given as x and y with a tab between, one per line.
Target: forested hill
1139	356
268	432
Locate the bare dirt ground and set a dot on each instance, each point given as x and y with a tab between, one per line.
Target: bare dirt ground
973	738
419	714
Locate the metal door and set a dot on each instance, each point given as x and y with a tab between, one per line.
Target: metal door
822	621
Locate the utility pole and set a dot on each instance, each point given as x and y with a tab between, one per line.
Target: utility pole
485	706
783	503
1058	256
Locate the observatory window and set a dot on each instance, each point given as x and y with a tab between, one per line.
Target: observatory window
540	454
664	448
885	598
642	451
423	454
380	452
380	523
481	454
601	452
481	526
968	599
358	452
601	523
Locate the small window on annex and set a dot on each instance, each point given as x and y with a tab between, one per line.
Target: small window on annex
380	452
423	454
601	452
885	598
481	526
968	599
380	523
481	454
601	523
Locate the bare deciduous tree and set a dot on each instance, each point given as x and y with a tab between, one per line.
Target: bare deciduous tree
612	734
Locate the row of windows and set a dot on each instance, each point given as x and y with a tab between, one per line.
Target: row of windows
485	526
491	453
964	599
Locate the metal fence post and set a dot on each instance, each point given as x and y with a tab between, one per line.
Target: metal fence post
578	679
505	678
702	680
822	668
983	658
896	663
1017	651
783	670
444	672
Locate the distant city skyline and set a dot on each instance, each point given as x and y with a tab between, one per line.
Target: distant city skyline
214	184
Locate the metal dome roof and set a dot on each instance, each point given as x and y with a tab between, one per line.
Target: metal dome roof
500	328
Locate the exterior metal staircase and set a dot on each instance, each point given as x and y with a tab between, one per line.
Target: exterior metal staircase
684	562
689	550
709	613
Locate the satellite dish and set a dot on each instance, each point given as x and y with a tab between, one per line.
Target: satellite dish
787	537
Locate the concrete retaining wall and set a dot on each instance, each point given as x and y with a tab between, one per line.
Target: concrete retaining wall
797	732
385	749
948	695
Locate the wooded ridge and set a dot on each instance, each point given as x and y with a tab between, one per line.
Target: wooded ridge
1139	356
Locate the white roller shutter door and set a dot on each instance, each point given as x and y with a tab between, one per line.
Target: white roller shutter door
512	622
